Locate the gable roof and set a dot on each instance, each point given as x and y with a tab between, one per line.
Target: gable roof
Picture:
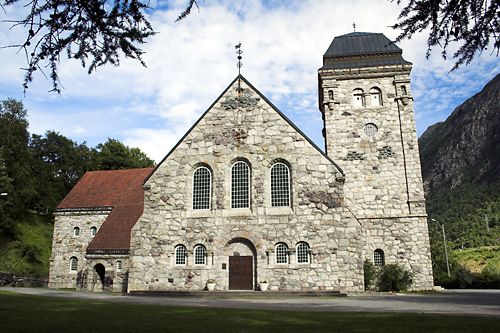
120	190
239	76
362	49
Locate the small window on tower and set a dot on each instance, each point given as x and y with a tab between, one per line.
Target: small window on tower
376	97
330	95
403	90
358	98
370	130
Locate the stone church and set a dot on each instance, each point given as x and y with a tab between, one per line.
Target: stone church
245	197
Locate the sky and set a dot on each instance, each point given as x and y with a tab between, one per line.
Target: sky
190	63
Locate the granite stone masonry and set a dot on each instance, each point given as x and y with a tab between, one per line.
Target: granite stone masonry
245	197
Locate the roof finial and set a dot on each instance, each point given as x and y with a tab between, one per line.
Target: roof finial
239	52
354	26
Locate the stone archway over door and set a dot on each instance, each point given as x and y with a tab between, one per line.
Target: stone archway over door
242	264
241	273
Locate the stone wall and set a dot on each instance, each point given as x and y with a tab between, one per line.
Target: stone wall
383	186
65	245
241	125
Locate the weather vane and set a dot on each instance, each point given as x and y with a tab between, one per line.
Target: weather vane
239	52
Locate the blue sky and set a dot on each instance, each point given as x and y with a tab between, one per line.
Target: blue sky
191	62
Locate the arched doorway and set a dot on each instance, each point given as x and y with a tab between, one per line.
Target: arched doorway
99	275
242	264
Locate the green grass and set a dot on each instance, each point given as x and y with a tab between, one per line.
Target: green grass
23	313
480	258
29	251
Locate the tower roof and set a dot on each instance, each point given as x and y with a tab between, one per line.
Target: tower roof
362	49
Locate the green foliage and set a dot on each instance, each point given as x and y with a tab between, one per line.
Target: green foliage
471	23
29	251
394	277
370	273
113	155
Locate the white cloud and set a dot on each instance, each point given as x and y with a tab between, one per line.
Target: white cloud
191	62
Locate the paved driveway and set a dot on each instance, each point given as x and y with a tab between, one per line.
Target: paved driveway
474	302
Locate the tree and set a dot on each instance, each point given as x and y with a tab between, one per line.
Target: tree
6	221
95	32
58	163
471	23
14	146
114	155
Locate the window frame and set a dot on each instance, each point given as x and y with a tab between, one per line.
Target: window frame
73	264
209	189
308	253
376	92
358	92
93	231
249	176
119	265
289	188
281	254
380	261
76	232
177	255
204	251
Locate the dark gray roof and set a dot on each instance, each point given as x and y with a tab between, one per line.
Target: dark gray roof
362	49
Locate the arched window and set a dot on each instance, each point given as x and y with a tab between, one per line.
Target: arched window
200	255
118	266
403	90
93	231
280	185
378	258
240	185
330	95
180	255
73	264
76	231
376	96
202	182
358	98
281	252
303	253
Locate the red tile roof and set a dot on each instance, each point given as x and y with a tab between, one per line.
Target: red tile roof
120	189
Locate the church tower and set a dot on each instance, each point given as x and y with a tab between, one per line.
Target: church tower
369	128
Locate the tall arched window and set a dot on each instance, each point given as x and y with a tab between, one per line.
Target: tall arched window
281	252
202	182
180	255
200	255
358	98
280	185
119	266
378	258
93	231
376	96
76	232
73	264
303	253
240	185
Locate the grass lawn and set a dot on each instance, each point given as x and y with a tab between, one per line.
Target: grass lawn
25	313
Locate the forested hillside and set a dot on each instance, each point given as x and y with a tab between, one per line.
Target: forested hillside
461	170
36	172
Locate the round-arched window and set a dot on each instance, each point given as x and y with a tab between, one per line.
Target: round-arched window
370	129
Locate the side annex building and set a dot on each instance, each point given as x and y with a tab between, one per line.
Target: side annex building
246	197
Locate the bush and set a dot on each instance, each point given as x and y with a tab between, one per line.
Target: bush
394	277
370	273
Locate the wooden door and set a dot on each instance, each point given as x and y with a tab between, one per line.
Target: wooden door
241	273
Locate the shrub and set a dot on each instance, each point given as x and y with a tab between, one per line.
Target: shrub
394	277
370	273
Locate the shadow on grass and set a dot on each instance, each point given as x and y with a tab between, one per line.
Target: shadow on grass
26	313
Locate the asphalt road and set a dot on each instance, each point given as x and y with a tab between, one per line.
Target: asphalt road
472	302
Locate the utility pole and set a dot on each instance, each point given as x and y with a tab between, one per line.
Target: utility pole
445	246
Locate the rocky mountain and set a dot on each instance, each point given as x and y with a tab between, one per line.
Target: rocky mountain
466	147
